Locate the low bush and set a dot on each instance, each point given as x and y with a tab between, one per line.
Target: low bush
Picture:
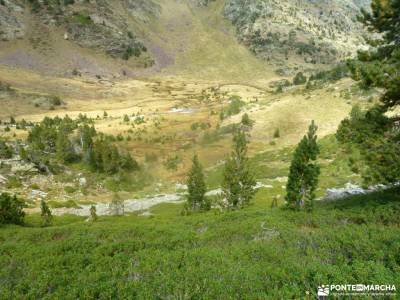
11	209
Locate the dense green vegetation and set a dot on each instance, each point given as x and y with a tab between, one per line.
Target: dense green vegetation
374	132
61	141
253	253
246	243
11	209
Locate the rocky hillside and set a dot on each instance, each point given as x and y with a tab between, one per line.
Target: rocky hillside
317	31
119	37
40	28
91	24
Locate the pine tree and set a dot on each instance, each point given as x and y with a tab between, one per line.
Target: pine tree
45	213
196	187
64	150
238	182
304	172
375	133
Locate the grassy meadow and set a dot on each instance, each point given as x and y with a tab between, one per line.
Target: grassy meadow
255	253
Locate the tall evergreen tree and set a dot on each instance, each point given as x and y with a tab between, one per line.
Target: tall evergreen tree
376	134
238	182
196	187
304	172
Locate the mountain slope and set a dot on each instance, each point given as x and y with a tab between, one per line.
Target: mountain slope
314	31
190	37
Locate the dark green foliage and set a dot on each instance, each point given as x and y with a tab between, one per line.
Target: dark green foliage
45	213
5	87
304	172
93	214
82	18
372	133
55	100
238	182
299	79
86	136
22	153
277	133
6	151
35	5
196	199
172	162
105	157
246	121
132	51
234	107
338	72
11	209
376	135
75	140
379	67
64	148
43	136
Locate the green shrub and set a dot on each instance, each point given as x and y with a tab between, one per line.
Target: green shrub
234	107
6	151
172	162
70	189
11	209
277	133
13	182
63	204
82	18
299	79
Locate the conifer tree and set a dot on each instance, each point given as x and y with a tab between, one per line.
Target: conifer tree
45	213
375	133
196	187
304	172
238	182
64	149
